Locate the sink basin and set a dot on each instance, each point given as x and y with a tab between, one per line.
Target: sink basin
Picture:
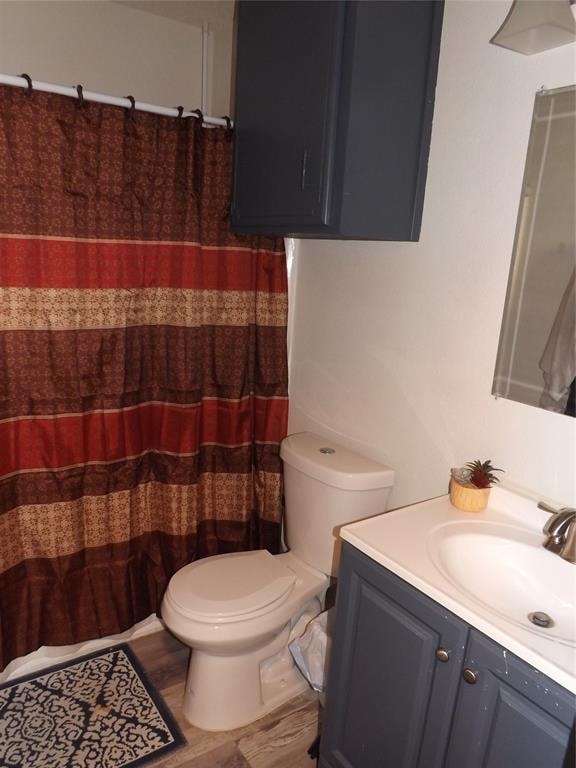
507	570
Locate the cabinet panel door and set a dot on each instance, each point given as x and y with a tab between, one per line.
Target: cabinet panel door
389	701
387	122
287	86
512	716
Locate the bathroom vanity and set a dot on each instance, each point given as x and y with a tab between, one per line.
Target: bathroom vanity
435	663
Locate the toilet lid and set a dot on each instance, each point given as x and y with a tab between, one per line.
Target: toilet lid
223	586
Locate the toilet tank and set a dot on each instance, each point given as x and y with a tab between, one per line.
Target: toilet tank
325	487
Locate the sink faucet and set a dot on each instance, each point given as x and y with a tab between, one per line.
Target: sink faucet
560	529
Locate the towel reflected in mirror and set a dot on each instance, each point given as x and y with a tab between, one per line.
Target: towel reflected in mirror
558	362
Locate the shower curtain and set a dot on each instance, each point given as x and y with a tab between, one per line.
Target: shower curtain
143	374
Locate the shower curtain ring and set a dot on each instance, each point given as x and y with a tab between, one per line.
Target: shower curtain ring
199	115
80	92
228	122
28	80
180	111
132	101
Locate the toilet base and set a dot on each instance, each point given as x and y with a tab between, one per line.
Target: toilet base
227	692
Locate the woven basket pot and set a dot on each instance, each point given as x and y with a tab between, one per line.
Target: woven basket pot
467	497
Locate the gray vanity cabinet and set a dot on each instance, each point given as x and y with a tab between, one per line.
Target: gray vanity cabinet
394	672
413	686
333	116
508	714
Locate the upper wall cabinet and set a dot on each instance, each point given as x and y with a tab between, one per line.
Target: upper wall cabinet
334	105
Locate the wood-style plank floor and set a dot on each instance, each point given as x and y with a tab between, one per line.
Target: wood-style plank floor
279	740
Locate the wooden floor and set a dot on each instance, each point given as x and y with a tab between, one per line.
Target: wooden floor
279	740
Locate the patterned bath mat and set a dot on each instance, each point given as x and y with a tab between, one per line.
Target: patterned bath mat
99	711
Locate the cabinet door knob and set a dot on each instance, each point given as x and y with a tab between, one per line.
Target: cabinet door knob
442	654
470	676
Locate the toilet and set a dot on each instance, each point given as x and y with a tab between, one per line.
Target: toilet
238	612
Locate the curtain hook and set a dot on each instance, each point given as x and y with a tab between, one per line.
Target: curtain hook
80	92
132	107
180	111
28	80
199	115
228	122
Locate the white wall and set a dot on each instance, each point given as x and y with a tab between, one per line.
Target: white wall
116	49
393	344
218	15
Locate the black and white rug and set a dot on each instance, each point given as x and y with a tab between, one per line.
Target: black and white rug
99	711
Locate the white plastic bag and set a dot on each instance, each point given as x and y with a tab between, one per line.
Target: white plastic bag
311	649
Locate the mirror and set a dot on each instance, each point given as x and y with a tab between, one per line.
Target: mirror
536	361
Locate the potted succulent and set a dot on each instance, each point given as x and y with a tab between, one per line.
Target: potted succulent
470	485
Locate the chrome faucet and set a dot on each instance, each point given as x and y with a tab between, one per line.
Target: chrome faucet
560	530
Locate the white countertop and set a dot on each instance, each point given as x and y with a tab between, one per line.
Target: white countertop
399	541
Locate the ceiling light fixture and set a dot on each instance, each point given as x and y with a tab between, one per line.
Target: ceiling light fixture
533	26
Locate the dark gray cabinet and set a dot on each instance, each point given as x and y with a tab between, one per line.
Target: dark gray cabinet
389	697
511	715
333	116
397	694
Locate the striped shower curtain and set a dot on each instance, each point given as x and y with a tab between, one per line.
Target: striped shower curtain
143	376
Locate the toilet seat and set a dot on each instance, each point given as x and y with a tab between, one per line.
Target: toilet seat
230	586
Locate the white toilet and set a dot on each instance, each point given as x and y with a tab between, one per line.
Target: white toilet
238	612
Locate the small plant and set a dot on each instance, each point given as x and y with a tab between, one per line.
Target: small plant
479	474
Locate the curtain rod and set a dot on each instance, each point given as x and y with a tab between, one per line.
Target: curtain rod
104	98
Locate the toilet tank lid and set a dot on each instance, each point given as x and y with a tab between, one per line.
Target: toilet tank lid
334	465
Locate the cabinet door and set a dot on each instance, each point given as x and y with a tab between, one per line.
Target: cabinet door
389	700
513	716
387	100
287	85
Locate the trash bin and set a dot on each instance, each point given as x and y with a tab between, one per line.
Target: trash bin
310	651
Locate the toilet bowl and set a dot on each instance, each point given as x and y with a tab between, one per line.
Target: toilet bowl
238	612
